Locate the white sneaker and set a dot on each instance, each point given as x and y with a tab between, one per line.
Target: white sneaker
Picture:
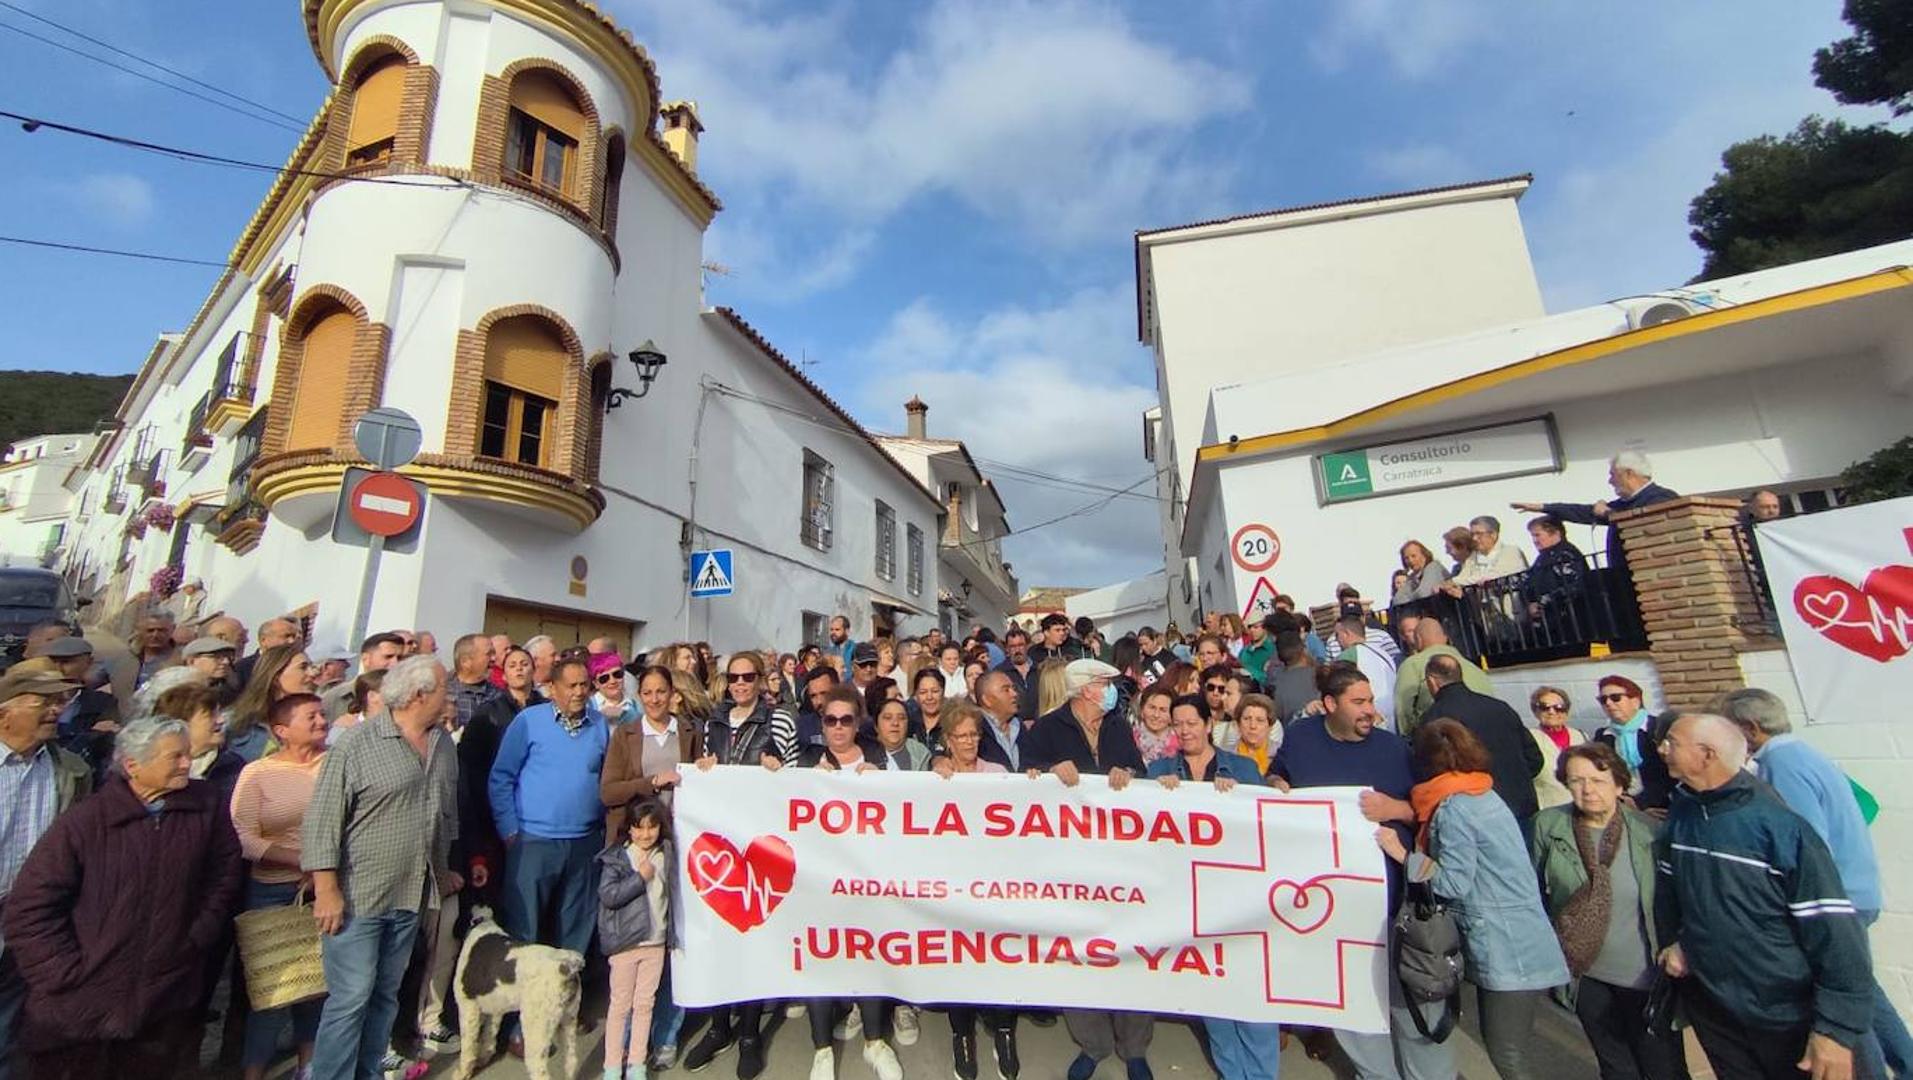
903	1023
851	1026
883	1059
823	1065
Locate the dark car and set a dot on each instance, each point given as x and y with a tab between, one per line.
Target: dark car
28	597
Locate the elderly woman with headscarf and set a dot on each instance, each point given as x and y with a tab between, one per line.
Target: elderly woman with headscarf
114	910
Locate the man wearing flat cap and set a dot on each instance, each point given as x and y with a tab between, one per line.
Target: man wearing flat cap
38	782
89	721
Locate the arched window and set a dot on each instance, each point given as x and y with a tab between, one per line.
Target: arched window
546	128
524	380
375	112
319	399
613	179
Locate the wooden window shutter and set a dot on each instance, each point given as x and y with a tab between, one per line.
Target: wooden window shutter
320	397
525	354
550	102
375	103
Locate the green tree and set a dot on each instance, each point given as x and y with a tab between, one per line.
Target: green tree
1875	65
42	402
1823	189
1888	474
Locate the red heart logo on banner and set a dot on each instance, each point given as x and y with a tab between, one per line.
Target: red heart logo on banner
1302	907
1874	620
742	888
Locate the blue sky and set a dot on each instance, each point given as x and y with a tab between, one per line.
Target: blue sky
939	198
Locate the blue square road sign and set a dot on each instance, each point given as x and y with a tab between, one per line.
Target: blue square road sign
711	573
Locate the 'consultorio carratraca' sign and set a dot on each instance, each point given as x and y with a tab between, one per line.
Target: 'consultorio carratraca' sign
1453	457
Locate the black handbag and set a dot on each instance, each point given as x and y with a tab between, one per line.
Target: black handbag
1663	1003
1428	959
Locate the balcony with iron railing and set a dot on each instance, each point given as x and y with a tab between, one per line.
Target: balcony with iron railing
239	525
196	448
1557	610
235	381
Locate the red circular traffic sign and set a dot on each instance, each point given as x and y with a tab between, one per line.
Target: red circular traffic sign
1255	547
384	504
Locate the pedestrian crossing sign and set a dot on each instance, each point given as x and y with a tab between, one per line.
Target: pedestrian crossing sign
711	573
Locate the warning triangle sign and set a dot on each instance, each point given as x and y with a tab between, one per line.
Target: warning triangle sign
1261	601
711	577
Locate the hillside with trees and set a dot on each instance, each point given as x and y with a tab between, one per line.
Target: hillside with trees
39	402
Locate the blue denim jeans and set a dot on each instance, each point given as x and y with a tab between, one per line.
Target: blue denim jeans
263	1028
364	963
1887	1046
1244	1051
551	885
667	1016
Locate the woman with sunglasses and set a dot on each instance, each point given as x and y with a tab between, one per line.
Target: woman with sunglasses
1552	734
845	751
607	679
1635	734
738	733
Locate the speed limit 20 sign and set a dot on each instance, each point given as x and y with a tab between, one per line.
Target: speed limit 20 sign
1255	547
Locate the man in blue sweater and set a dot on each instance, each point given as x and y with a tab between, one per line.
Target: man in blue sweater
1815	788
544	795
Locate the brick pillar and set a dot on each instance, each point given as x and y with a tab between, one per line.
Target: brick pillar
1696	597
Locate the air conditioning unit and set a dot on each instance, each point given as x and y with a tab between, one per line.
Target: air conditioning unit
1646	311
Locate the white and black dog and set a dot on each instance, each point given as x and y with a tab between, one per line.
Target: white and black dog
497	975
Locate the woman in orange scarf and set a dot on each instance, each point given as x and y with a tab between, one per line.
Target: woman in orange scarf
1469	850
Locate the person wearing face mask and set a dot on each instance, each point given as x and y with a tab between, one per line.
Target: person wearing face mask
1085	735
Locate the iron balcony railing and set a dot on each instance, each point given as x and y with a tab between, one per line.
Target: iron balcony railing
1751	569
1561	608
245	451
197	437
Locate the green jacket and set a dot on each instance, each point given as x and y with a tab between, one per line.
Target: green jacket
1412	698
72	780
1557	862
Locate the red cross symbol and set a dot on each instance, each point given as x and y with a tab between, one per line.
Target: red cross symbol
1303	927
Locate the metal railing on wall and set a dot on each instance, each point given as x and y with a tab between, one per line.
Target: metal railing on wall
1558	610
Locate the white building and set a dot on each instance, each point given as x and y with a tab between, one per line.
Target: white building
35	503
1298	289
974	585
492	209
1125	607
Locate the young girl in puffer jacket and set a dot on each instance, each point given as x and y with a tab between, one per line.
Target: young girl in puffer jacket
635	914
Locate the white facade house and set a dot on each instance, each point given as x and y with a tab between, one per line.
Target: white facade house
1296	290
35	503
1776	379
1125	607
974	585
491	212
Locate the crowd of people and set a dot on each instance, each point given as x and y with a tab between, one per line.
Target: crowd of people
397	791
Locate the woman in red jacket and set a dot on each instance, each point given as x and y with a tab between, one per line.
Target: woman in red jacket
114	910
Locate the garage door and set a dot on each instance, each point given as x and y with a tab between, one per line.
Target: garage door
522	622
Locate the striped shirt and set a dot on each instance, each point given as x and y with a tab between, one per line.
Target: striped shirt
383	817
26	809
269	804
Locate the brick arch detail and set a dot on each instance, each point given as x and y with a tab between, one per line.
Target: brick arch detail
571	448
418	101
365	369
494	111
594	414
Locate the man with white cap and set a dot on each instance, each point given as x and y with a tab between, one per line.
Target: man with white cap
38	782
212	657
1084	735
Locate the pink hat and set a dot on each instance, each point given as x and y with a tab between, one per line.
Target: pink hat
599	663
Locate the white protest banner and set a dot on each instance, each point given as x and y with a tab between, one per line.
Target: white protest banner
1843	589
1245	905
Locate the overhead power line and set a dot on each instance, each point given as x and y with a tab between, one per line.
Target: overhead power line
32	124
176	73
188	91
147	255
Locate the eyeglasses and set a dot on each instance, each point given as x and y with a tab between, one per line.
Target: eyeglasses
743	676
1217	688
839	721
609	677
1612	699
866	663
1550	707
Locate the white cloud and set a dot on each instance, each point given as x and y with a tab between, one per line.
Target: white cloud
1061	121
1046	388
118	198
1419	165
1417	38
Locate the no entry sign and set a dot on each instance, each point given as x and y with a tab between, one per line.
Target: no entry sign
384	504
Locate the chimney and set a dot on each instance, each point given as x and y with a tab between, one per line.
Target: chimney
916	410
681	128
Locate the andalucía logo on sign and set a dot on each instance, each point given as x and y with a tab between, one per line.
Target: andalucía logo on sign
743	888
